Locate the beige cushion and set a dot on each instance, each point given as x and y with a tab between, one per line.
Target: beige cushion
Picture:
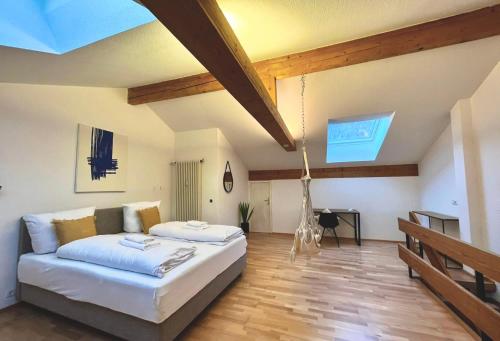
69	230
149	218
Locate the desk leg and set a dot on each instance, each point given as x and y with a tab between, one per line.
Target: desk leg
358	226
355	228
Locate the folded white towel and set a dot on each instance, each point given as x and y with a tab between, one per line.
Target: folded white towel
139	238
196	223
139	246
178	257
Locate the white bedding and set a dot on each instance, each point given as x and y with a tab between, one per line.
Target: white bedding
213	233
108	251
146	297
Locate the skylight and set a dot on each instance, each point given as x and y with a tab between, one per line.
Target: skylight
60	26
358	139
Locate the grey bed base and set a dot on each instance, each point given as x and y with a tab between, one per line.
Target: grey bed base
119	324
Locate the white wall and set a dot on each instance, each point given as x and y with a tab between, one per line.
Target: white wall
466	174
476	144
380	201
38	137
212	146
486	128
437	176
228	202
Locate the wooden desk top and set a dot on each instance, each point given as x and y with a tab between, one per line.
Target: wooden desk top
437	215
337	210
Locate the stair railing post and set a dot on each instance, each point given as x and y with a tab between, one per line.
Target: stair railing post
481	293
410	271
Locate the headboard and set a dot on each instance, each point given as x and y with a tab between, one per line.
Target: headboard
108	221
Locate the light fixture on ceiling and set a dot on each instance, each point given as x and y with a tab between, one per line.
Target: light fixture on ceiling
307	235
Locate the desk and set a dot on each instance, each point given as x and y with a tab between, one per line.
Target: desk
443	218
437	216
356	219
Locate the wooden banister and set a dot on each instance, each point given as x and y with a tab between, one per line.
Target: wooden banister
485	262
414	218
479	313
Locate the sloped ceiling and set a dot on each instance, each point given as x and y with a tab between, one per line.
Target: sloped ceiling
265	28
420	87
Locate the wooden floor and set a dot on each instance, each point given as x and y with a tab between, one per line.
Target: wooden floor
351	293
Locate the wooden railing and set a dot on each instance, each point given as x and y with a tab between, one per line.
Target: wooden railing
435	244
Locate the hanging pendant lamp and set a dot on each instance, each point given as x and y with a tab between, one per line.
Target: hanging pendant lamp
307	235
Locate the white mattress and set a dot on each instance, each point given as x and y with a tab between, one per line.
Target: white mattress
146	297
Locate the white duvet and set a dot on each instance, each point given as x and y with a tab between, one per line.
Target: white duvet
107	251
213	233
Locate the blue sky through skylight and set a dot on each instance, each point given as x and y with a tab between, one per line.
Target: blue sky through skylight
60	26
357	140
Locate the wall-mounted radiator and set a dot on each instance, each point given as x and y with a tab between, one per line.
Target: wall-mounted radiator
188	190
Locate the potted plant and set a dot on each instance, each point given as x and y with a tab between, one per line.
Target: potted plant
246	214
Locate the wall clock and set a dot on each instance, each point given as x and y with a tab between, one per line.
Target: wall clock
227	180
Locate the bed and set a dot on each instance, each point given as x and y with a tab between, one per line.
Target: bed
129	305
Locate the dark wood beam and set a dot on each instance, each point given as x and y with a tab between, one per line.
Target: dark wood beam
175	88
457	29
192	85
202	28
336	172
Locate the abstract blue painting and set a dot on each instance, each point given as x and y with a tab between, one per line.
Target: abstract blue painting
101	160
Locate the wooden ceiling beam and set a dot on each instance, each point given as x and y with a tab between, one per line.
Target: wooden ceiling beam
336	172
202	28
187	86
175	88
457	29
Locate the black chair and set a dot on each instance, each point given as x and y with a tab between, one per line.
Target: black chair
329	221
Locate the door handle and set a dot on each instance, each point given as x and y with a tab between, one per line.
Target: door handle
267	200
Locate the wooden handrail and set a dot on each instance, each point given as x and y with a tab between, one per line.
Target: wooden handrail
479	313
485	262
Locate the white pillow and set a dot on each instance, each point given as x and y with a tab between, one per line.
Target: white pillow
131	221
42	231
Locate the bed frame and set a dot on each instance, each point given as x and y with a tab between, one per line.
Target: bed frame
110	221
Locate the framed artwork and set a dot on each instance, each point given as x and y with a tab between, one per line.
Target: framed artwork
101	164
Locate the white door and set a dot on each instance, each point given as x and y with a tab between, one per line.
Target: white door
260	199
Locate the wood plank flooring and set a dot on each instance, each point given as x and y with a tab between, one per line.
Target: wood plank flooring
351	293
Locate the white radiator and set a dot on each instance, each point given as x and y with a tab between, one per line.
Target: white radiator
188	190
